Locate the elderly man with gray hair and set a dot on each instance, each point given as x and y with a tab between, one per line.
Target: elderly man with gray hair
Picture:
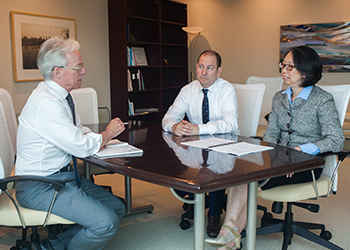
50	135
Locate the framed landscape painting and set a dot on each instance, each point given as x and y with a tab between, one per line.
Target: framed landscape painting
330	40
28	32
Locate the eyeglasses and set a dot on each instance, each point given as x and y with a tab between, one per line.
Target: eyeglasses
288	67
75	68
209	69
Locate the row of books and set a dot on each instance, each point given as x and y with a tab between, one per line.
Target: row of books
135	80
136	56
140	111
131	57
131	108
131	33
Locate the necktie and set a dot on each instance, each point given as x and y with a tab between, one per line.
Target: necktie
205	107
71	105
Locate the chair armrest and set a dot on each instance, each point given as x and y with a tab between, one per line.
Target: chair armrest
57	185
341	155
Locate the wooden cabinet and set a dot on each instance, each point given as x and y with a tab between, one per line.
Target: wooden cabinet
155	26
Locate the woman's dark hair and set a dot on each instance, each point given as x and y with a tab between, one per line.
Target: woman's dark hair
308	63
212	53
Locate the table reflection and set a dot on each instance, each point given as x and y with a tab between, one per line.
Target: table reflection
206	161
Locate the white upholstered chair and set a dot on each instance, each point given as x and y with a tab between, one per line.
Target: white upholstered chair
341	94
322	187
249	100
272	85
6	100
12	214
86	105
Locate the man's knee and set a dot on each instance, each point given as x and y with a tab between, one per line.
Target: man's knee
108	227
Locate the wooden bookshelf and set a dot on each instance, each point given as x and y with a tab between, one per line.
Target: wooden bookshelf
155	26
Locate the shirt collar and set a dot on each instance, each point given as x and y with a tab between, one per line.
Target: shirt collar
304	94
212	87
56	88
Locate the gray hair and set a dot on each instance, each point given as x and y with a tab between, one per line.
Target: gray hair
53	53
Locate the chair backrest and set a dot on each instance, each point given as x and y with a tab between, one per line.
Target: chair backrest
7	154
86	105
104	116
6	100
341	94
272	85
249	100
2	172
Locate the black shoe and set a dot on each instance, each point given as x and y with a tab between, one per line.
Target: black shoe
214	225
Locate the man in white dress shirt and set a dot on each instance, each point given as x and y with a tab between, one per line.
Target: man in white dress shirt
222	117
48	138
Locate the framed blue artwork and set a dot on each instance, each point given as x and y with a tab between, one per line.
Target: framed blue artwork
330	40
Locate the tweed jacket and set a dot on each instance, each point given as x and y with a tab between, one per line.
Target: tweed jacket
314	120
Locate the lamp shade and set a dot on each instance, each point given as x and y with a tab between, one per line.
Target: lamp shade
193	30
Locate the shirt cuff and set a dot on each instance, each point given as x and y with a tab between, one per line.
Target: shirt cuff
96	137
204	129
310	148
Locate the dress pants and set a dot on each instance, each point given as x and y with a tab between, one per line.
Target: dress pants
98	213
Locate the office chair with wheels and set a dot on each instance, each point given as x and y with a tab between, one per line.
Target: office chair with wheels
272	85
249	100
11	213
292	194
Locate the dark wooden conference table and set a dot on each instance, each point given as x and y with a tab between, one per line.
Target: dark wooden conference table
166	163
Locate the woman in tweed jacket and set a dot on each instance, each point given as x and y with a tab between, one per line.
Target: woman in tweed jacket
303	116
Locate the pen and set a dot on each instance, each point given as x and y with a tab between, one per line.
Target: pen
125	123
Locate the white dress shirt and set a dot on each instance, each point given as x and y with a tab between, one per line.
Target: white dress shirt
47	137
223	111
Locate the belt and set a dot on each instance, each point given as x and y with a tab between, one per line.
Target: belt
64	169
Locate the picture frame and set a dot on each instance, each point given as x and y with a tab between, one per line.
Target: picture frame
139	56
28	32
329	40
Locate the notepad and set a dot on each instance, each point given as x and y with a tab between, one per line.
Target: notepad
117	148
227	146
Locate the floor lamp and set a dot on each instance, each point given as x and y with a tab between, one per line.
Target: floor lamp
196	32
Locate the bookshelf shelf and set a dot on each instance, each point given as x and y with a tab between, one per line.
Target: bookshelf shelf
155	26
142	18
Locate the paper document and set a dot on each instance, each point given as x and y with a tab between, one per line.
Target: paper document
227	146
118	148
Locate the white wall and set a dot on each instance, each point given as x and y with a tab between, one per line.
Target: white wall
92	33
244	32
